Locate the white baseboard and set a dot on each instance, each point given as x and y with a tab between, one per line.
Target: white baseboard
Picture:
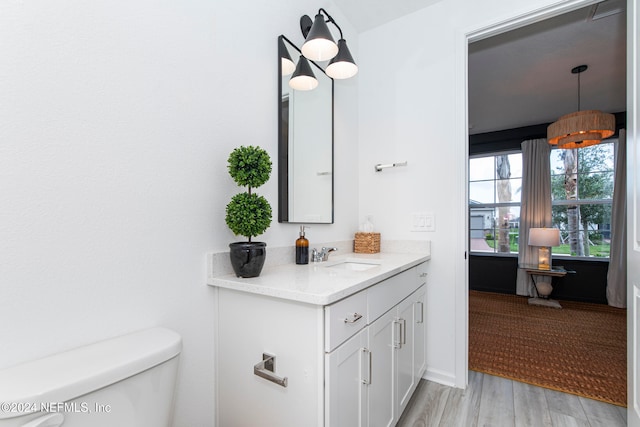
440	377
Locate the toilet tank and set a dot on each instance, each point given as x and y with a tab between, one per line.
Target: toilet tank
127	381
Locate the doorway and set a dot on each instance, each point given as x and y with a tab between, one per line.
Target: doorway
485	118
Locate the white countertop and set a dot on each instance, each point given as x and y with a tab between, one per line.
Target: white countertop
318	283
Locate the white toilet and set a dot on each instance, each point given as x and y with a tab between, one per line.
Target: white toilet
126	381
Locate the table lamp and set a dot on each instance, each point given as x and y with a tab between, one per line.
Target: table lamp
544	238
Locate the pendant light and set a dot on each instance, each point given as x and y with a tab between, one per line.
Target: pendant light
582	128
319	45
286	63
303	77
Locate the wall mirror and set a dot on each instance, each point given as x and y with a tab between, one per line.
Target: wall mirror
305	147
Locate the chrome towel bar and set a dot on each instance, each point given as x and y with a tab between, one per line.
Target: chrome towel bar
380	166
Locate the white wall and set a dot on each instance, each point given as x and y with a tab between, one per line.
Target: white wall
412	107
116	120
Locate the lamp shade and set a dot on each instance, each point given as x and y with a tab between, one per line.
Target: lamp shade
544	237
342	66
303	77
581	129
319	44
286	63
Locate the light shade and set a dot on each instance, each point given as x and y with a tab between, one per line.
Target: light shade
544	237
342	66
319	44
303	77
581	129
286	63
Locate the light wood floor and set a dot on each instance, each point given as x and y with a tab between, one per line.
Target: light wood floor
496	402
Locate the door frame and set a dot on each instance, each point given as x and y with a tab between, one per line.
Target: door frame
463	39
633	213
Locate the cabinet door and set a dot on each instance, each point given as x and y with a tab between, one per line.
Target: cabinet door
405	378
419	348
381	390
347	372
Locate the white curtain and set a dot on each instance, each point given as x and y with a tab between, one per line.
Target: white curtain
617	274
535	210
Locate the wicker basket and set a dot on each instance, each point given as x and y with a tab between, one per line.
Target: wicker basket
367	243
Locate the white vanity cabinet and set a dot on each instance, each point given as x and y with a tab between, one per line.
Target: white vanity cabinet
353	362
372	376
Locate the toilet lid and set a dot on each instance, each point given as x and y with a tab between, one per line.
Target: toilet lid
65	376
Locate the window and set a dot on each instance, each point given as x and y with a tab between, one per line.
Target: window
495	182
582	193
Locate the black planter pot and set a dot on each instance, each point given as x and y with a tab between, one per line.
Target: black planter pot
247	258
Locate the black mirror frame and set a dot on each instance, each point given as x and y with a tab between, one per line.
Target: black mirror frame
283	148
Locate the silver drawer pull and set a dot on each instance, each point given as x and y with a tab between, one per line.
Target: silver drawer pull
266	369
423	274
368	352
353	319
397	343
402	332
420	316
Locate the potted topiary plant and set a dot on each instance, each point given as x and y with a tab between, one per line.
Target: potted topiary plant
248	214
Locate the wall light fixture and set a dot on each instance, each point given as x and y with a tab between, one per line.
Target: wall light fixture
319	45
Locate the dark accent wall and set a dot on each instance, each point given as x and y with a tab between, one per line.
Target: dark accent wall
493	273
588	283
498	274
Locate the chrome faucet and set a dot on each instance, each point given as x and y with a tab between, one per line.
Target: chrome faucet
323	255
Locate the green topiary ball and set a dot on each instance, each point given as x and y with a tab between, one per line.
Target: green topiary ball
248	215
249	166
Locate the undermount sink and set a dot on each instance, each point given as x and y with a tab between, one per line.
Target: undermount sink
354	265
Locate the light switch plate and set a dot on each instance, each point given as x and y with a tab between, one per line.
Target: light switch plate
423	221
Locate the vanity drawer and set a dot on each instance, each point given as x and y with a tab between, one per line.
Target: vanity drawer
386	294
343	319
